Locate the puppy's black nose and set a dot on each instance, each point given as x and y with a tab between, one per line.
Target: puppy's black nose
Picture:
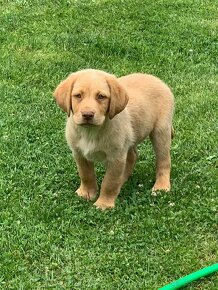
88	115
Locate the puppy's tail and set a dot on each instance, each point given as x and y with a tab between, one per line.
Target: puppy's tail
172	132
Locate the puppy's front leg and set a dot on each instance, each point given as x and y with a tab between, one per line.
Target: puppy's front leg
88	186
112	183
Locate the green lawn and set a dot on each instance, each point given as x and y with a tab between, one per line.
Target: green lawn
51	239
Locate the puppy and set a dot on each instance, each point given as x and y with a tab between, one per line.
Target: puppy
107	118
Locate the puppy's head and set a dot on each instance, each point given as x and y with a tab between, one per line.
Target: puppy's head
91	96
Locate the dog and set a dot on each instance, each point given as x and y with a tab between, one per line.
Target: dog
107	118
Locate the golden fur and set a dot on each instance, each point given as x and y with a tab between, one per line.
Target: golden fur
107	118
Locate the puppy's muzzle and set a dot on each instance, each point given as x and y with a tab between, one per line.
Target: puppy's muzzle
88	115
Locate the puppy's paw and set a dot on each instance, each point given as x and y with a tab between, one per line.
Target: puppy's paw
161	186
104	204
86	193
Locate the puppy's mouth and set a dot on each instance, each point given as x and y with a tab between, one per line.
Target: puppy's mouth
89	123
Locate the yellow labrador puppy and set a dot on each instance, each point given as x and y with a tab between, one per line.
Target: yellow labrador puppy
107	118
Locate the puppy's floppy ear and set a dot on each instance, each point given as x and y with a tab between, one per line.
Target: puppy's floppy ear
119	98
63	91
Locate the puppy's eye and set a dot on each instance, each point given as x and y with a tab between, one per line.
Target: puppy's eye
101	97
77	96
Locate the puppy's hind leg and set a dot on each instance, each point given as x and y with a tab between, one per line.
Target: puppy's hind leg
161	141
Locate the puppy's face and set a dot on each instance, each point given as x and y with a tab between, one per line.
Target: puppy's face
91	95
90	98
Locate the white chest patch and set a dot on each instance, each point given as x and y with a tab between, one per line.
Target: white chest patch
86	146
91	150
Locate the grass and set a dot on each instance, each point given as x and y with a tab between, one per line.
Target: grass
51	239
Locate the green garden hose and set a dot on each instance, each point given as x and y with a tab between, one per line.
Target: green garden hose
191	277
